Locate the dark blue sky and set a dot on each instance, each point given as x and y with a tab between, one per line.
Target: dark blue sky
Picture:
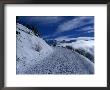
53	27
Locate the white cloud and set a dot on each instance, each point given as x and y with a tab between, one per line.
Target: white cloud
61	38
78	38
87	29
85	38
75	23
90	31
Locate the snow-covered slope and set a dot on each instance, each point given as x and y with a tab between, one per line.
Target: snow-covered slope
35	56
84	46
63	61
30	48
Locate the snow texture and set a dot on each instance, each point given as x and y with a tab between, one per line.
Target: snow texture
30	49
35	56
63	61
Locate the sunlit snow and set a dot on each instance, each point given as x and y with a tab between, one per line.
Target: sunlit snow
35	56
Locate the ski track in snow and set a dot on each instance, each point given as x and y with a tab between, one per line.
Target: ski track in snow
62	61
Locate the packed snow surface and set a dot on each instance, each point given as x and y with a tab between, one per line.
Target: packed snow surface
35	56
63	61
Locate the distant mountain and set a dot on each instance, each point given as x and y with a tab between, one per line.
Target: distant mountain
52	42
56	42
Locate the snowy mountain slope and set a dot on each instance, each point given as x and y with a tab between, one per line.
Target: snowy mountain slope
35	56
63	61
30	48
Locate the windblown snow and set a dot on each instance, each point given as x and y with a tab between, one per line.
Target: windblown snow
35	56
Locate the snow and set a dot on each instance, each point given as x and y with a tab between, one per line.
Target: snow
63	61
35	56
30	48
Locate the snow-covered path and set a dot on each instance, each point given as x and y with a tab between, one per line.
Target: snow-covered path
62	61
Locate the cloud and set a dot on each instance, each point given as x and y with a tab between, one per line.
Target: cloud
90	31
61	38
75	23
46	19
87	29
68	39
